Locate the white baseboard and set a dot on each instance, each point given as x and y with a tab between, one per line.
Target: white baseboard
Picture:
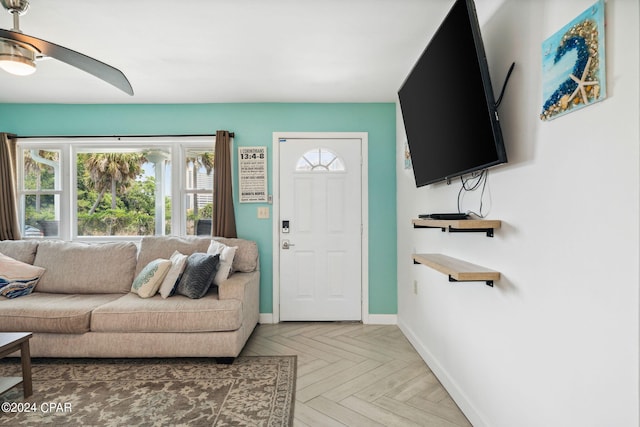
381	319
447	381
372	319
265	318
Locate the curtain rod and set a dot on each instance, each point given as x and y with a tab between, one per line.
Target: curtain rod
231	135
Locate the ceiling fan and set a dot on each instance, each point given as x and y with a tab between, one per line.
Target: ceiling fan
19	52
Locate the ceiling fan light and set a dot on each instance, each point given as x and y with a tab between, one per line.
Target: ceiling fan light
17	60
17	65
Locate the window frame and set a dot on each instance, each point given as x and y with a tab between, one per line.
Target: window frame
70	147
63	179
196	191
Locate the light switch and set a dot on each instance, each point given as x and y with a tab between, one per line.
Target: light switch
263	212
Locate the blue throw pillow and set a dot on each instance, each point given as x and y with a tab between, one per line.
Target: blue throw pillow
198	275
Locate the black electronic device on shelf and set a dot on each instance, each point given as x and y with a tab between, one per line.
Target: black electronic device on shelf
445	216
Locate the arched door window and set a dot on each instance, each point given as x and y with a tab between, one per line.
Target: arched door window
320	160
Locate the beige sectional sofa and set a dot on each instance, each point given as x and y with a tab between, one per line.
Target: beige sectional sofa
83	306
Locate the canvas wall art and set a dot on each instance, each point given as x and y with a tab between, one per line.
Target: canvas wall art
573	65
407	156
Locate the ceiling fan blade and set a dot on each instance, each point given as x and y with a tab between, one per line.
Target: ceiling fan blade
99	69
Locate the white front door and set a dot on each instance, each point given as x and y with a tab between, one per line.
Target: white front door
320	229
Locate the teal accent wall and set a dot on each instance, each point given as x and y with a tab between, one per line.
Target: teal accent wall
253	124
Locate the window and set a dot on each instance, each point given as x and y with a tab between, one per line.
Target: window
319	159
41	193
115	188
199	191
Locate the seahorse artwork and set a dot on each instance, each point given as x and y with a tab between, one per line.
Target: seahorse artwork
573	65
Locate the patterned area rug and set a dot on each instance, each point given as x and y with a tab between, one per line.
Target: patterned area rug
253	391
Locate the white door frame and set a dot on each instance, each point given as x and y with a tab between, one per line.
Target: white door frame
364	138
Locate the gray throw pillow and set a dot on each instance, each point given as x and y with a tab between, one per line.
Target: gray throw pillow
198	275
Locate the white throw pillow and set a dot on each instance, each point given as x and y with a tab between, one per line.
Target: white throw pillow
148	281
226	260
178	263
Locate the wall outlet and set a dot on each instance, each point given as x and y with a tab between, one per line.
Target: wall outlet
263	212
415	287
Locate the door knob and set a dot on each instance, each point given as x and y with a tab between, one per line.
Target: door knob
286	244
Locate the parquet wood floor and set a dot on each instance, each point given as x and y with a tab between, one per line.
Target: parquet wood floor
351	374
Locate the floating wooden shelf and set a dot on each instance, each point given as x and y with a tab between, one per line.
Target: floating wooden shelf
457	270
460	225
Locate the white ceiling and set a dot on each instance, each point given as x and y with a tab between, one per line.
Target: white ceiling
210	51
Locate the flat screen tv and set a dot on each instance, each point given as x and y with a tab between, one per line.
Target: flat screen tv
447	102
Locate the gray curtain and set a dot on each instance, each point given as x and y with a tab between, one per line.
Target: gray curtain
224	220
9	227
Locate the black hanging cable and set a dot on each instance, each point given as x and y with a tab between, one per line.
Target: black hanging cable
463	187
481	179
504	85
484	185
460	194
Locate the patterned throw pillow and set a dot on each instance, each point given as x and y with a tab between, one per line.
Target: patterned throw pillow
178	263
149	279
17	278
226	260
198	275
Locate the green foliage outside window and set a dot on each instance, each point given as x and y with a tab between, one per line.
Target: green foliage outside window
114	197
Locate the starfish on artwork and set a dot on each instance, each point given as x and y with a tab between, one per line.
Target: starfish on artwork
582	83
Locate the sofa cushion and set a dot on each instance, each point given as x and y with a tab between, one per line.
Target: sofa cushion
22	250
246	256
51	313
17	278
176	314
80	268
198	275
146	284
152	247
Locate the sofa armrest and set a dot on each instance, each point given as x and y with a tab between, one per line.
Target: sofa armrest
235	287
246	288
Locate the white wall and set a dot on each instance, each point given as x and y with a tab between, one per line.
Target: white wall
556	342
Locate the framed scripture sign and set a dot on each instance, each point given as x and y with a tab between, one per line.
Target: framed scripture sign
252	173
